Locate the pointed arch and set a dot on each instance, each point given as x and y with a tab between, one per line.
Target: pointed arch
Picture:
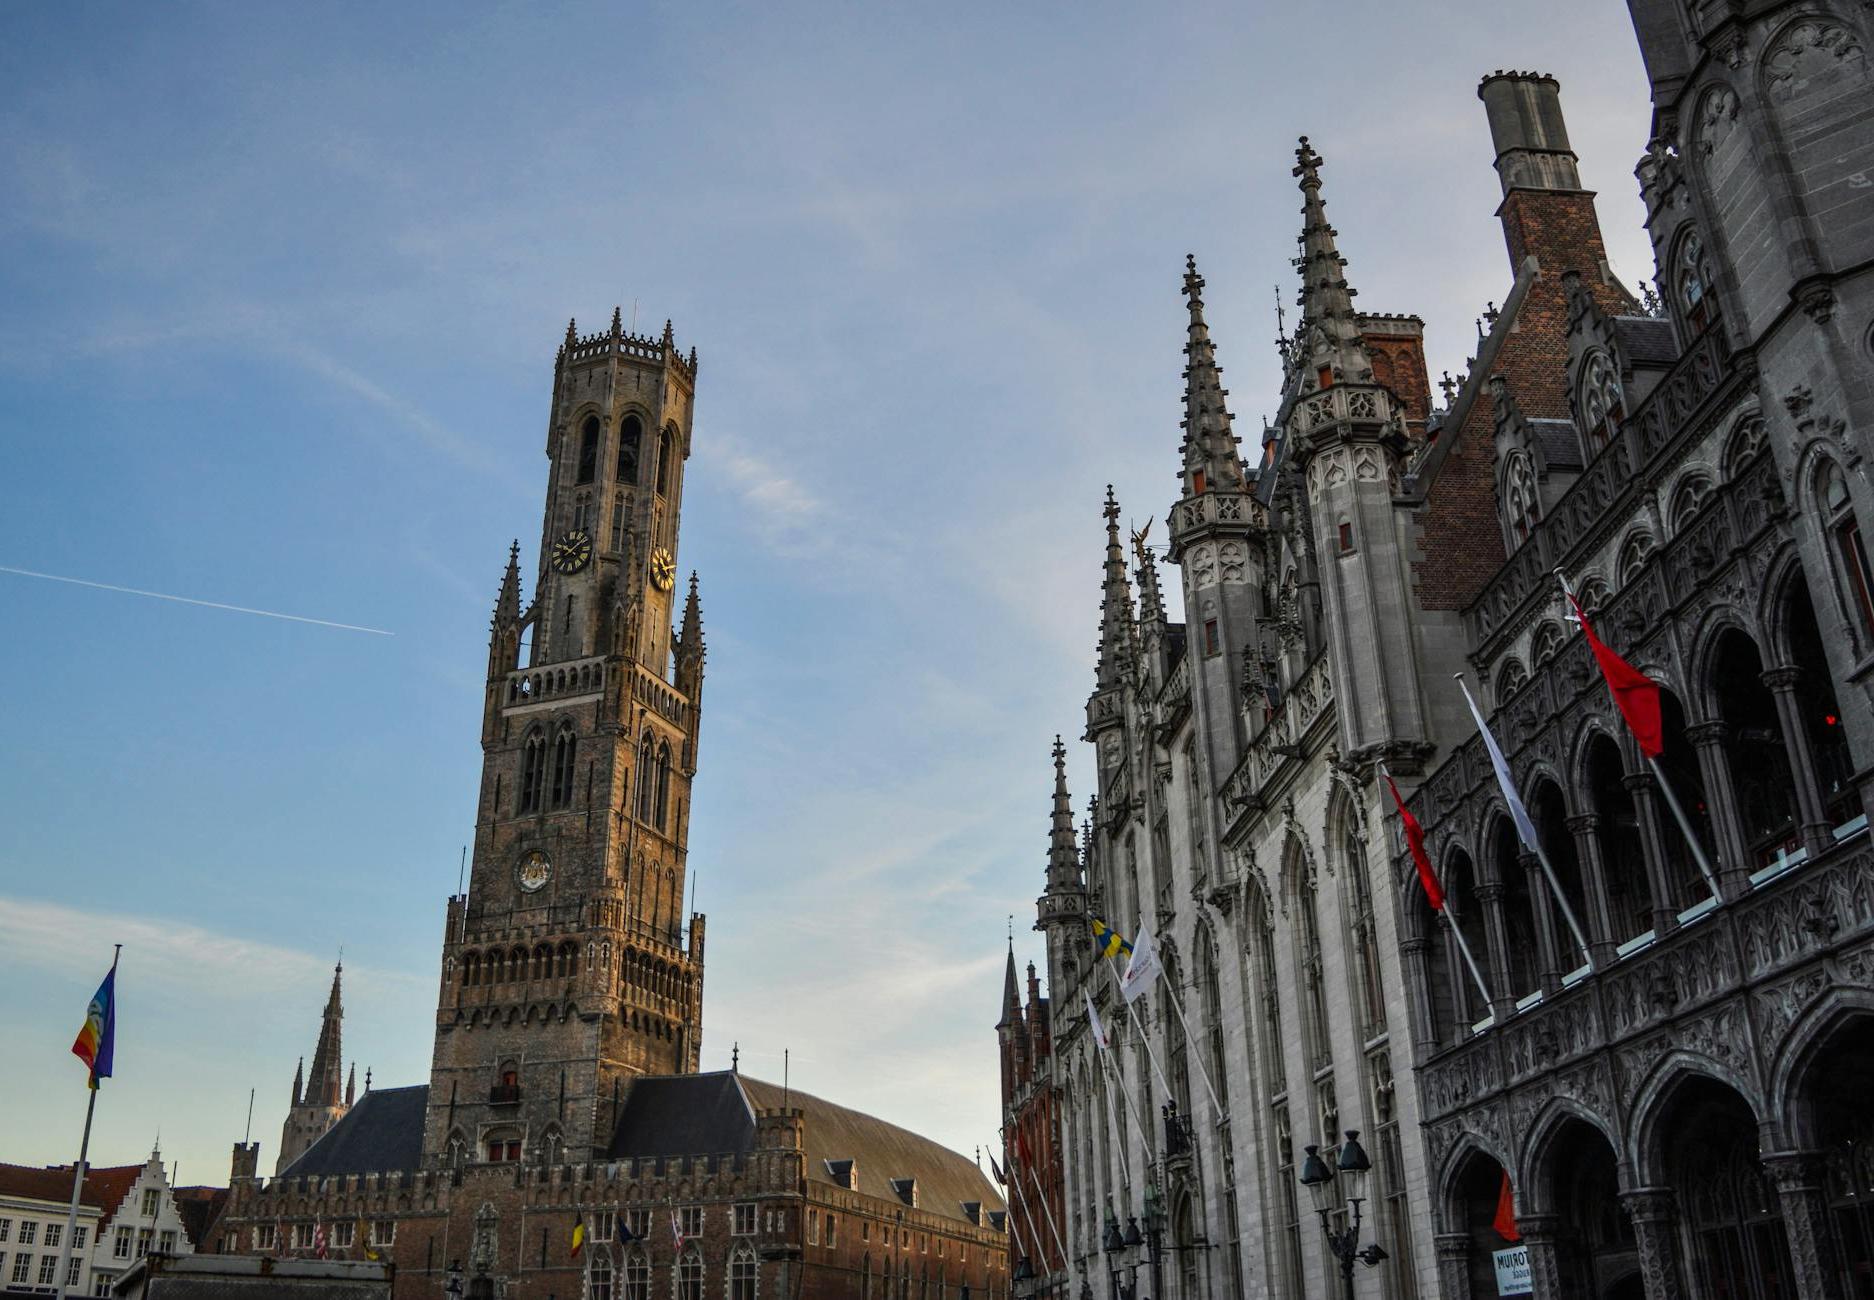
565	752
533	769
666	455
630	447
645	776
660	813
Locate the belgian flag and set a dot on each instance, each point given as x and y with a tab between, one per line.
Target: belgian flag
579	1234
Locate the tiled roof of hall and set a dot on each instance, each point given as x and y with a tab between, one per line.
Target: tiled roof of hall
381	1134
51	1184
714	1114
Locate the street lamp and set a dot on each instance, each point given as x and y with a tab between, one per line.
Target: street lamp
1319	1178
1113	1242
452	1285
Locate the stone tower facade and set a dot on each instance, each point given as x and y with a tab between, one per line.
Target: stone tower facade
323	1100
568	966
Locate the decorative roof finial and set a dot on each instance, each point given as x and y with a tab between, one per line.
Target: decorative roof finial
618	322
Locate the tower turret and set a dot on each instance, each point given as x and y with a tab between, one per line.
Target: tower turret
1116	632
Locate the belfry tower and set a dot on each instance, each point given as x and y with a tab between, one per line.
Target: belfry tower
568	965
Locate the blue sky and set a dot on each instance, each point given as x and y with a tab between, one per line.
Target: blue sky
279	293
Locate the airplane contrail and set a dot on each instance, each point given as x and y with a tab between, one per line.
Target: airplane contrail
189	600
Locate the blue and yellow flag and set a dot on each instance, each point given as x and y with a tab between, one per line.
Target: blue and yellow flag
1108	942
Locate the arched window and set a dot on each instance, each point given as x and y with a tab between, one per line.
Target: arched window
1309	976
1265	985
743	1268
1522	505
630	442
690	1275
1850	554
666	449
1511	678
1364	931
589	450
646	777
1687	500
1634	553
637	1275
1545	644
533	771
472	969
458	1149
1598	398
1693	283
618	522
1744	447
598	1277
660	814
563	750
551	1145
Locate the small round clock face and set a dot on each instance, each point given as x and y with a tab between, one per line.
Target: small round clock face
534	871
572	551
663	569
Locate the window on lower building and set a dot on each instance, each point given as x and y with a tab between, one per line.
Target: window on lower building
22	1266
602	1224
264	1237
167	1242
6	1229
71	1272
692	1220
343	1235
384	1232
813	1227
29	1232
832	1231
742	1273
101	1283
640	1223
143	1241
48	1269
745	1219
149	1203
599	1279
55	1233
78	1237
637	1275
690	1276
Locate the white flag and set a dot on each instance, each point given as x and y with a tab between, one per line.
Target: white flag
1142	967
1525	829
1093	1018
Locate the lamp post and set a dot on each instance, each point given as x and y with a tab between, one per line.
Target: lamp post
1155	1236
1114	1243
1319	1178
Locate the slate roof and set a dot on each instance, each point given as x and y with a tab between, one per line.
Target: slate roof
1646	340
1559	442
199	1207
383	1132
714	1114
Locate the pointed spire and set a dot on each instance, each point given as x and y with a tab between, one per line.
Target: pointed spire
1116	606
618	322
508	603
1063	843
572	333
324	1090
299	1081
1211	459
690	634
670	338
1330	328
1011	998
351	1084
1151	604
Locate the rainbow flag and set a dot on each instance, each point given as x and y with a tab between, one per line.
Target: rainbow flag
94	1041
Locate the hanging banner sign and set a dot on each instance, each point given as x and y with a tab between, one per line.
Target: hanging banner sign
1513	1271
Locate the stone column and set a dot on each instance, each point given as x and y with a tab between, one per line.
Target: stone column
1798	1176
1550	943
1653	832
1734	865
1655	1230
1812	818
1539	1233
1454	1266
1497	940
1412	953
1586	828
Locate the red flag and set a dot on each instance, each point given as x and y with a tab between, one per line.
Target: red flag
1505	1222
1635	694
1415	837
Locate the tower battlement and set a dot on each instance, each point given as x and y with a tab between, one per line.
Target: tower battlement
587	348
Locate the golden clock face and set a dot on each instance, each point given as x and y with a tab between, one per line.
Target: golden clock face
572	552
663	569
534	871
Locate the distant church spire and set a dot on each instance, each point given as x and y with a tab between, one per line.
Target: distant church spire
1063	843
1116	606
1211	459
1011	999
326	1065
508	603
299	1081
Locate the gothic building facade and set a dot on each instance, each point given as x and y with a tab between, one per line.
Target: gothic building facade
1673	1024
564	1086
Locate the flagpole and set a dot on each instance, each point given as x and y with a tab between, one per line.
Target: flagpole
1021	1202
1457	933
1120	984
1132	1109
1046	1209
84	1151
1112	1117
1196	1054
1534	842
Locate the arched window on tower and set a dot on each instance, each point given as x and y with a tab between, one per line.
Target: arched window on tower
666	452
630	444
1692	281
660	814
589	450
690	1275
1522	503
1850	553
646	778
564	748
1599	399
618	522
533	771
637	1275
743	1267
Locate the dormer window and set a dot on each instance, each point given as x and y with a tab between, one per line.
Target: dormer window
1599	400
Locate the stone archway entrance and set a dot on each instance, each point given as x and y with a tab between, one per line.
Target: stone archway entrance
1731	1235
1596	1257
1828	1190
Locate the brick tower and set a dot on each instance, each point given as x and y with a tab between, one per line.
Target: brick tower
568	966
